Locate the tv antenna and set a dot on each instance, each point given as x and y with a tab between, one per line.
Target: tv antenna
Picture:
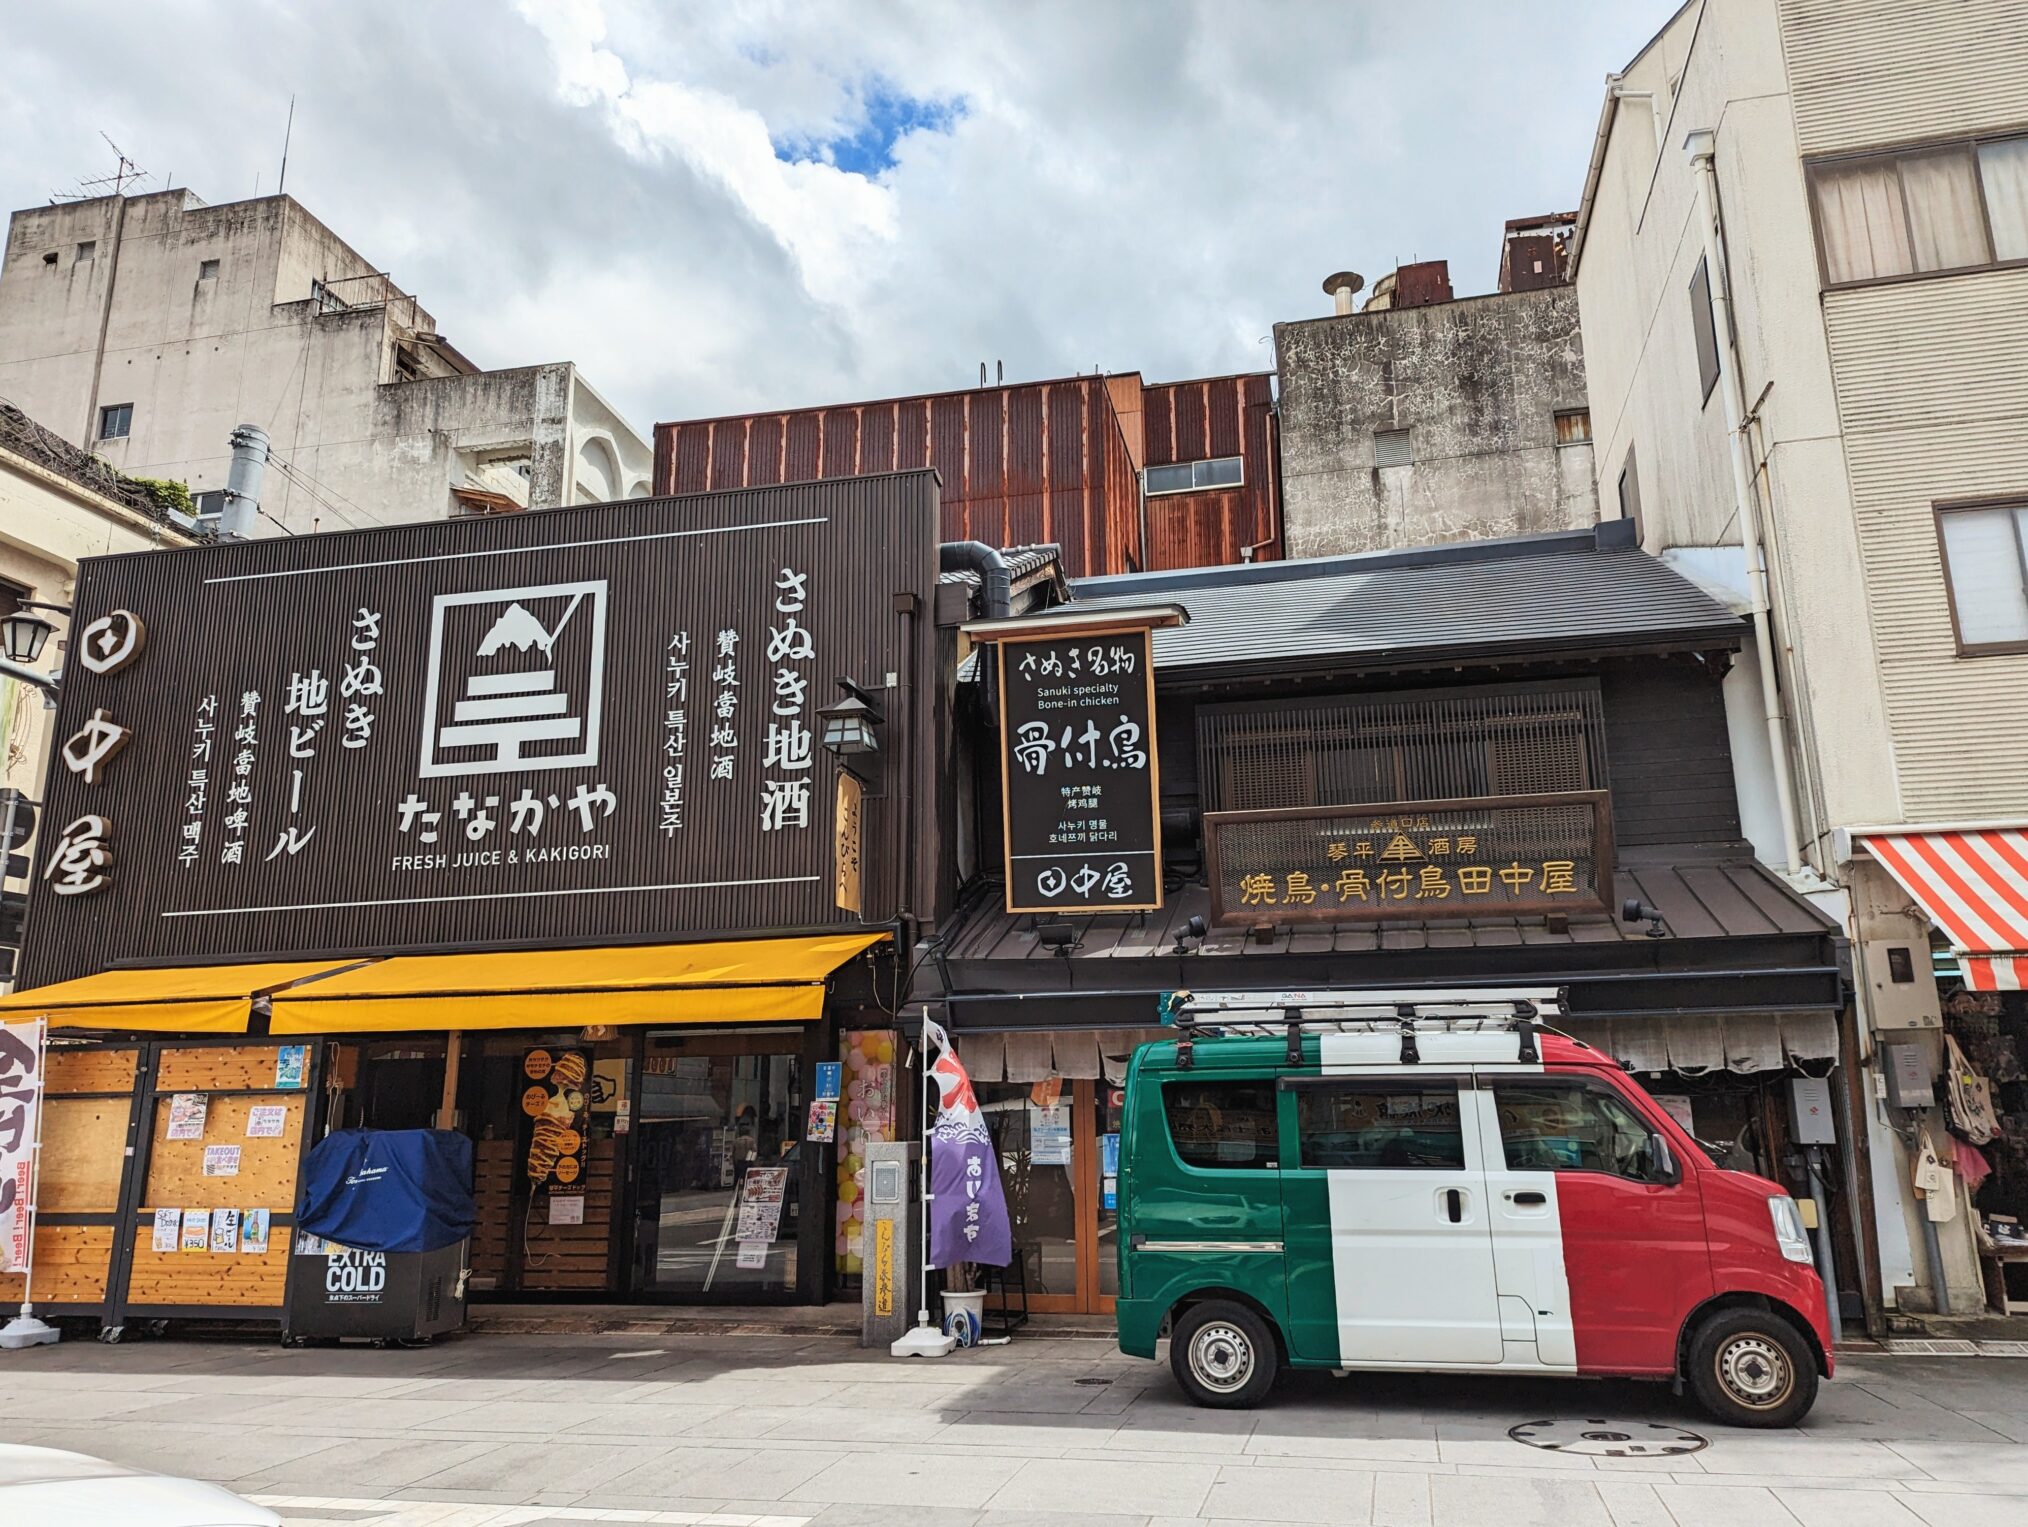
127	174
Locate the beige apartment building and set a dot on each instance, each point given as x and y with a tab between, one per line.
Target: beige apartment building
145	328
1802	266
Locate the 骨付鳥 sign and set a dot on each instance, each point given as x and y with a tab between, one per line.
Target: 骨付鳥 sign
584	723
1079	776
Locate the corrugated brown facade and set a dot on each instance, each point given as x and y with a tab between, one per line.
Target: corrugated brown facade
1021	464
1194	421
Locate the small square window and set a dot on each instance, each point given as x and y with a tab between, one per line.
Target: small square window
1985	563
1393	448
207	270
87	249
115	421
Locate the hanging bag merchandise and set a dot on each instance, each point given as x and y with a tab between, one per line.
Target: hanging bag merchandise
1933	1180
1971	1097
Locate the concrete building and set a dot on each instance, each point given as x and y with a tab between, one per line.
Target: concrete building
56	505
1423	418
144	328
1802	265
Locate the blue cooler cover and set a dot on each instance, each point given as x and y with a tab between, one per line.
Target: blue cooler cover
389	1189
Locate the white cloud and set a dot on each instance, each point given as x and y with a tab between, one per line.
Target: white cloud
1124	185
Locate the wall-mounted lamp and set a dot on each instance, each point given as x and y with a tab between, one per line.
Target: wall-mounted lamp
1058	938
1634	910
851	727
1196	929
23	635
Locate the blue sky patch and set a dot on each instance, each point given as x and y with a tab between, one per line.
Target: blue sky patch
886	116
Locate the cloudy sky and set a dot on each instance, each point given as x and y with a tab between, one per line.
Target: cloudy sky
744	203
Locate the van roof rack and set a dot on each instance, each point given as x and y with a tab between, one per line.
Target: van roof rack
1293	1013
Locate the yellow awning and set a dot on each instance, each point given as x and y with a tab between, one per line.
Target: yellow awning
746	981
184	999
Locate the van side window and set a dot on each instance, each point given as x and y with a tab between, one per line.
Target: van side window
1547	1127
1378	1128
1222	1124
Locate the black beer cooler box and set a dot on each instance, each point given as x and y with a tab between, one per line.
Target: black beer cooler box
370	1198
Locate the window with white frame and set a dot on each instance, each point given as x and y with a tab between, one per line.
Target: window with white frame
1985	561
1950	206
1194	476
116	421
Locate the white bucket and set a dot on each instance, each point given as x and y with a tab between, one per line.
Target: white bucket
965	1316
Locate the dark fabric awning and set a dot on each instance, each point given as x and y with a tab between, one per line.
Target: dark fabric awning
1734	939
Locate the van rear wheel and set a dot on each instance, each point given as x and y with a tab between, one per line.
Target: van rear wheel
1752	1368
1223	1355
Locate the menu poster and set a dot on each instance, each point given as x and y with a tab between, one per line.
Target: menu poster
221	1161
253	1231
566	1208
1049	1135
264	1121
761	1196
225	1230
823	1121
292	1063
168	1229
186	1115
196	1229
752	1254
557	1101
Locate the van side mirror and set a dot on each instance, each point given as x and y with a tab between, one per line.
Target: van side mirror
1663	1160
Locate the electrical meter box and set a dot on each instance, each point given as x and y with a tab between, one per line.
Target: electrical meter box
1810	1117
1911	1078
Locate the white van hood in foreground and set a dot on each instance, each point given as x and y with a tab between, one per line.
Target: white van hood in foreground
51	1488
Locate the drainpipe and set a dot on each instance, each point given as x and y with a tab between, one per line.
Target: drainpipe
995	577
1702	146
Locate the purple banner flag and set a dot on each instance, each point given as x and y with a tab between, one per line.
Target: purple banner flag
968	1207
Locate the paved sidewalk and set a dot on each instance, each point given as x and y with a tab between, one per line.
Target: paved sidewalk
785	1431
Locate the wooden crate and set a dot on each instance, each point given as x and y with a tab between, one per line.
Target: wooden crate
71	1263
224	1280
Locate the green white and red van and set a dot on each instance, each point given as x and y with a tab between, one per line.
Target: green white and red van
1436	1182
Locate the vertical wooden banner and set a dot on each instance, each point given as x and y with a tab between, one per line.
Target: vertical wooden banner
847	889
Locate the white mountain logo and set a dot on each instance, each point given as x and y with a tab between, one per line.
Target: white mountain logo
501	718
518	629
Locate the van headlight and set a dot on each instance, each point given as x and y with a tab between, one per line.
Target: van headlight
1788	1228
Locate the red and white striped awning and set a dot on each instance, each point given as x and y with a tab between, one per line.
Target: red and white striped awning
1974	886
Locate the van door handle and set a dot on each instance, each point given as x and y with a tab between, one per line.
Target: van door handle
1454	1205
1529	1197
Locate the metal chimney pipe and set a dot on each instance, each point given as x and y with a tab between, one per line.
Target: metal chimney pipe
243	483
1343	287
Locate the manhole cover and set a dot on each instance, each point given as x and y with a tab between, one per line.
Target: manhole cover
1609	1439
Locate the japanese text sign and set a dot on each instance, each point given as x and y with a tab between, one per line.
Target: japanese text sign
1079	776
473	732
21	1081
1501	856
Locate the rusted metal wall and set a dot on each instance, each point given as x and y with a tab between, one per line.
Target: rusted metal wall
1198	420
1020	465
257	654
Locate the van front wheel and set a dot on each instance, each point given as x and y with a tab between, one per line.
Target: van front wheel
1752	1368
1223	1355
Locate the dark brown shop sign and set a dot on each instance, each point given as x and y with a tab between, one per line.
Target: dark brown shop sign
1495	856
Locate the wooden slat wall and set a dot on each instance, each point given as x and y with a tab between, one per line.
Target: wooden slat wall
215	1279
267	1168
216	1068
574	1256
71	1262
84	1155
93	1070
493	1185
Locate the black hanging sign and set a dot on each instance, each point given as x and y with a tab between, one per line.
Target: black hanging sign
1079	778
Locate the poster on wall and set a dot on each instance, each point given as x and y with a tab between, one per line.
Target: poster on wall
221	1161
557	1101
762	1193
225	1230
1079	780
21	1081
291	1065
196	1229
186	1115
264	1121
1049	1135
823	1121
168	1230
866	1117
253	1231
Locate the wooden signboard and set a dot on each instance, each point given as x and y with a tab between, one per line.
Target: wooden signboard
1080	783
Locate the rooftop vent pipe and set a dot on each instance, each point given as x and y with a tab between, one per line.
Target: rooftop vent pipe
1343	287
995	577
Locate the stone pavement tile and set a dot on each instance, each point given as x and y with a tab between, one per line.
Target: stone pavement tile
822	1423
1108	1484
1513	1501
1046	1397
1724	1506
605	1501
654	1421
1017	1517
196	1451
1285	1495
1352	1444
1955	1510
372	1466
894	1516
725	1472
1968	1462
895	1478
1036	1436
1185	1428
758	1389
513	1416
367	1416
1502	1451
1633	1503
2010	1424
1848	1508
77	1405
1785	1453
1401	1500
546	1472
